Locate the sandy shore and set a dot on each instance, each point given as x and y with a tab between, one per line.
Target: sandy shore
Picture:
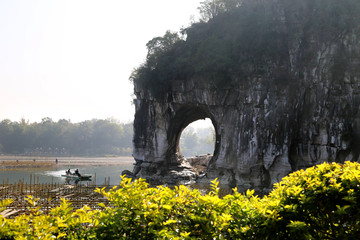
7	161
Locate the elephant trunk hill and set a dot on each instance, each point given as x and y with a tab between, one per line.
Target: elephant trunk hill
280	81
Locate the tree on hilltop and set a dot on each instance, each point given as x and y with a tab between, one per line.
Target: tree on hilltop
211	8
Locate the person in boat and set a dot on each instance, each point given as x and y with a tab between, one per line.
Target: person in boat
68	172
77	173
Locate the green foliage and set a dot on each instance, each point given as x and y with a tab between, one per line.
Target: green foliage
241	39
94	137
162	213
162	62
321	202
159	45
211	8
62	223
237	42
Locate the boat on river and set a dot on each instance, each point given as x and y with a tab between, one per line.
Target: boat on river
76	177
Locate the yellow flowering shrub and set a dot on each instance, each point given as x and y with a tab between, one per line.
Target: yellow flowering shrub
162	213
321	202
61	223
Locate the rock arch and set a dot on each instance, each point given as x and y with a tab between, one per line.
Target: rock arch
294	111
262	134
183	118
157	131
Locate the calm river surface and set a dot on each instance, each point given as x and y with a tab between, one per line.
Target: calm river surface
43	172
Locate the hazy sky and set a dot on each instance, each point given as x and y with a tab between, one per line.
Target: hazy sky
72	59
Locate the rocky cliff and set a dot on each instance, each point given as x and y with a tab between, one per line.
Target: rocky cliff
295	107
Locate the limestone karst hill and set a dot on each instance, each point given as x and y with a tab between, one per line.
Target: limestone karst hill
279	79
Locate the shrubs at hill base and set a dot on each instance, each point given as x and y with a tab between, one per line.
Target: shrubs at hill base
321	202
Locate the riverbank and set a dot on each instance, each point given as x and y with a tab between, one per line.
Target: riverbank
11	161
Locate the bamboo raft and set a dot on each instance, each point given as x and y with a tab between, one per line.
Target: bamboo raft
49	196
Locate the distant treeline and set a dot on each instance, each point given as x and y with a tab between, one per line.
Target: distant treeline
88	138
63	138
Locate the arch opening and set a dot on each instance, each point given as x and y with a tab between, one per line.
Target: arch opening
188	116
197	139
197	144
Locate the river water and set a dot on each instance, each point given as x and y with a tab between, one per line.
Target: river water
100	172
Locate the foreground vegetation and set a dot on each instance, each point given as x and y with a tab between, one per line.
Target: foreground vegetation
321	202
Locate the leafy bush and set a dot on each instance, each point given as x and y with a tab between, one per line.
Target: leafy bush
151	213
321	202
62	222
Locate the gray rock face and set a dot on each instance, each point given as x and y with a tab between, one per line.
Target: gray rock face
264	129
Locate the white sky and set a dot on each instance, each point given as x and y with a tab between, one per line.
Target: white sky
71	59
